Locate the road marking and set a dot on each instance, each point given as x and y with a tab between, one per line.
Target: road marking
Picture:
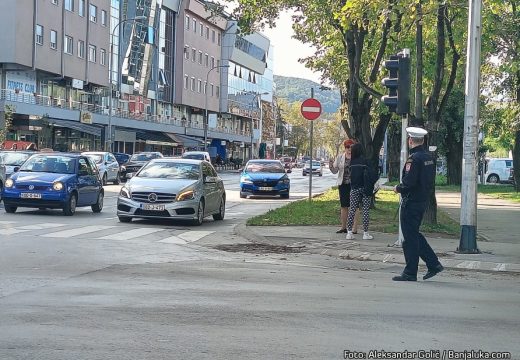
469	265
41	226
131	234
191	236
5	222
10	231
500	267
387	257
365	256
173	240
78	231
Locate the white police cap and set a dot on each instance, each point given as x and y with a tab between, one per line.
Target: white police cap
416	132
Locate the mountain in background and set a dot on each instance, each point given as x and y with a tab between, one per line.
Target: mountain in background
295	89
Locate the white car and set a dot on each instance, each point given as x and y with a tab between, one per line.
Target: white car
498	170
197	155
107	165
317	168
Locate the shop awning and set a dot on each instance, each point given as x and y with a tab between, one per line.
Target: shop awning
76	125
155	138
184	140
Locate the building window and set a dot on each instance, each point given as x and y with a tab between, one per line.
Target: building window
199	85
205	88
195	25
186	81
207	33
91	53
55	2
187	22
69	45
103	18
218	92
212	89
213	36
93	13
192	84
103	57
81	49
54	40
187	52
201	29
206	60
212	62
219	38
193	54
200	57
69	5
218	65
81	8
39	34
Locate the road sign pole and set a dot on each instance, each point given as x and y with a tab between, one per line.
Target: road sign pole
310	169
311	110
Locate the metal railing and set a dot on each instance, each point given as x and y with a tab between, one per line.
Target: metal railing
49	101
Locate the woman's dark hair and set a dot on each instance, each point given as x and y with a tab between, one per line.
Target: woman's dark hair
357	151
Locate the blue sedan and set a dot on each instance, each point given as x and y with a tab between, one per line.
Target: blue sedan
57	181
264	177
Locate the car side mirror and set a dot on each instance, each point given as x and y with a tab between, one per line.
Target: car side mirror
16	169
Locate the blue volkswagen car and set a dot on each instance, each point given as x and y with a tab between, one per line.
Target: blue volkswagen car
264	177
56	181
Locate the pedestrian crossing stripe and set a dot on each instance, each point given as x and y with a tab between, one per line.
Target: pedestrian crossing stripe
132	234
191	236
78	231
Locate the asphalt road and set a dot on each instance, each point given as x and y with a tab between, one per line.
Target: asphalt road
89	287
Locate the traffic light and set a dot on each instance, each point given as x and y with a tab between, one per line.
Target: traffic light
398	83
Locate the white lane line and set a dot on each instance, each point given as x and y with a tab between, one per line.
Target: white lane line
132	234
365	256
41	226
173	240
191	236
78	231
469	265
387	257
500	267
10	231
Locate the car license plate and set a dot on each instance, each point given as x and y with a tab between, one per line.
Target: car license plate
30	196
154	207
265	188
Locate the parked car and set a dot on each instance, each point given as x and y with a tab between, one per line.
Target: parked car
171	188
197	155
511	176
107	165
121	157
264	177
498	170
2	179
136	162
317	168
287	163
13	158
55	180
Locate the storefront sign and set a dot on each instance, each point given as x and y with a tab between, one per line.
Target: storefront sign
21	81
212	121
77	84
85	117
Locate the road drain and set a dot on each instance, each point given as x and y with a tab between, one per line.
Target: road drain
260	248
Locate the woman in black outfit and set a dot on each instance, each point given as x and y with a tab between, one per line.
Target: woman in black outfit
357	196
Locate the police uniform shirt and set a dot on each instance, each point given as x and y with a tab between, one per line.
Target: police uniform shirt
418	175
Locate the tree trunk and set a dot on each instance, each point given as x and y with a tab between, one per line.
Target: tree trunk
454	163
419	71
394	150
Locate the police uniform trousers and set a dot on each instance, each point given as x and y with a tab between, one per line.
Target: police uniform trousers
415	244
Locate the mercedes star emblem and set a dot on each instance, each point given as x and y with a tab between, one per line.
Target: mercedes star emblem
152	197
31	187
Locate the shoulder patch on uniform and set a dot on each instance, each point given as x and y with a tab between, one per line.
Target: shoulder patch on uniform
408	166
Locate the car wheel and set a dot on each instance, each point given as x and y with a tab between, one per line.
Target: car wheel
117	181
321	174
104	181
124	219
200	214
243	195
304	174
70	208
98	206
493	179
284	196
221	210
10	209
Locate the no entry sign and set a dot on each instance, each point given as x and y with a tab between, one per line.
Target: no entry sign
311	109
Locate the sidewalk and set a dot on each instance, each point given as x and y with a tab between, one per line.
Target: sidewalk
498	238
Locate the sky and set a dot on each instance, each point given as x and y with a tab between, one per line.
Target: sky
287	50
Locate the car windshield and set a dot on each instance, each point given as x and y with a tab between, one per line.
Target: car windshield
97	158
50	164
265	167
193	156
143	157
13	158
170	170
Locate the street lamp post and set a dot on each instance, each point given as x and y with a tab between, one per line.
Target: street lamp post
108	141
206	105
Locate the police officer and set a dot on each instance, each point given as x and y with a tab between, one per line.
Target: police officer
415	188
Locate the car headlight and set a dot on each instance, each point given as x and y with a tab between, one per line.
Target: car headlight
285	181
58	186
9	183
186	195
125	192
245	180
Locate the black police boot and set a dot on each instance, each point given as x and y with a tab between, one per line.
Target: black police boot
404	277
433	272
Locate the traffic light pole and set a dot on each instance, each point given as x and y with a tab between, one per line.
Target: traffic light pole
404	157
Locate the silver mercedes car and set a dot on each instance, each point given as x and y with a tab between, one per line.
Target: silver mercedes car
171	188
